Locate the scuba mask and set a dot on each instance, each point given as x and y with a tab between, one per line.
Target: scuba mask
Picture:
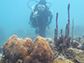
41	7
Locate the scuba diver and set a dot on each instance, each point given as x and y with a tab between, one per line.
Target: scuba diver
41	17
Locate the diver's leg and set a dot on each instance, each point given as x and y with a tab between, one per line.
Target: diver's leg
42	30
37	31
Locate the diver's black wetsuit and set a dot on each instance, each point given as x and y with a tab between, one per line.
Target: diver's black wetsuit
42	20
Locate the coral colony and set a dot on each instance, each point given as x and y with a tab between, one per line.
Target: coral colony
27	51
63	41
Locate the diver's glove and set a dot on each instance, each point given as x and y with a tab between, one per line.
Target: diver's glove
35	14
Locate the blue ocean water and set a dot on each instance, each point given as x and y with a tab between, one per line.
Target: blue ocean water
15	14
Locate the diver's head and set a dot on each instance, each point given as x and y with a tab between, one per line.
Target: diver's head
41	7
42	2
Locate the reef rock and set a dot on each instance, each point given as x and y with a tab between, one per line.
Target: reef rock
41	51
76	50
75	44
82	47
62	61
16	48
50	42
79	57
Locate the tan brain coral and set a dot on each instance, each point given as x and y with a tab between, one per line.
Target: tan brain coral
18	50
42	51
15	48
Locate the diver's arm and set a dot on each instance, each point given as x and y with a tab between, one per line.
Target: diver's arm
34	13
31	16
